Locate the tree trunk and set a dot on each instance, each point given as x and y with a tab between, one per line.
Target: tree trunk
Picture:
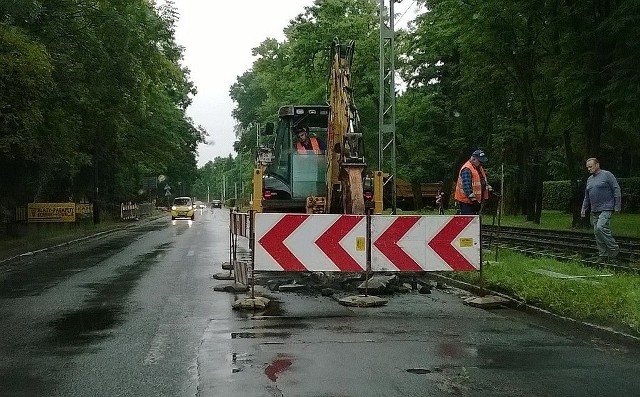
577	185
538	188
534	191
593	115
416	189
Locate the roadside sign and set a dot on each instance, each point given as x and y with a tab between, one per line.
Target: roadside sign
51	212
150	182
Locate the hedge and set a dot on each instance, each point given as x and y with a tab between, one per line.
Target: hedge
557	195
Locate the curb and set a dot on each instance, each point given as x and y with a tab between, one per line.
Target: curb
516	304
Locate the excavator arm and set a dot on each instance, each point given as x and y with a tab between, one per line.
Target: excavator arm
345	159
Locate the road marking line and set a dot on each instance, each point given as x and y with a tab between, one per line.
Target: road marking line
155	353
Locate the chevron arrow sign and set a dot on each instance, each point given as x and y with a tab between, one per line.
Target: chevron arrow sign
304	242
425	243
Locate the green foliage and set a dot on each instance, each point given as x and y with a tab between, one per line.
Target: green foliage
296	70
622	224
93	100
220	178
539	85
25	79
630	188
557	194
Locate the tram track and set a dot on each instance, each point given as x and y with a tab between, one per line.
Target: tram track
562	245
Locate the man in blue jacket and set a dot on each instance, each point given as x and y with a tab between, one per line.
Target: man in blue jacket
603	197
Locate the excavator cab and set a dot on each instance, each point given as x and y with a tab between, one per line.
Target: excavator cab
296	174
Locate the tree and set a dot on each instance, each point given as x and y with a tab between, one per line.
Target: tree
93	100
296	70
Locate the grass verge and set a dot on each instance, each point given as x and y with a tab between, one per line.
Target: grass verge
39	236
599	296
622	224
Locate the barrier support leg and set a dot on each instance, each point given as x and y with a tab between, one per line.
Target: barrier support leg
252	241
365	300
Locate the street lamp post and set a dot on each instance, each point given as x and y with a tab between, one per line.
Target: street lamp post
257	135
241	176
224	187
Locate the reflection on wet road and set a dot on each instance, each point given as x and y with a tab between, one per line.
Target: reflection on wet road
105	307
418	345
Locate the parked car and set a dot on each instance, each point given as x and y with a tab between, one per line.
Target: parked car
182	208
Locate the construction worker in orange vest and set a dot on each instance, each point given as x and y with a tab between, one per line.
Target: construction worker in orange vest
306	143
472	187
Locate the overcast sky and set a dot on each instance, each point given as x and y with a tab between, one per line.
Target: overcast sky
218	37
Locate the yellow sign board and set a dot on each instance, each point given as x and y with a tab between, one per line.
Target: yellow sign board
84	209
51	212
360	244
466	242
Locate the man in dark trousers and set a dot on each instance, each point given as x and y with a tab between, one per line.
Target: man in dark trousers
472	187
603	197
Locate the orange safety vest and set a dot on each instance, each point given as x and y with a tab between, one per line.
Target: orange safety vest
476	184
315	146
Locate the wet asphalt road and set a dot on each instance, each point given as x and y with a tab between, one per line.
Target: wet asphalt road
133	313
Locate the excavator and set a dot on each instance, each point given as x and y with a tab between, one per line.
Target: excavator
291	179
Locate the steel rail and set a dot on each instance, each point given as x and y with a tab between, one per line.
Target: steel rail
562	245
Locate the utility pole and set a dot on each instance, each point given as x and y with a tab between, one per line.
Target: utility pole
241	176
257	135
224	187
387	100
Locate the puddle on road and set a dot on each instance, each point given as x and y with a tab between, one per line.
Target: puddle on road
514	360
290	324
456	350
22	380
82	327
423	371
280	364
92	322
251	335
432	370
180	226
151	227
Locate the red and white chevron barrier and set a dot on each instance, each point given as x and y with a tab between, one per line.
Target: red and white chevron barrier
322	242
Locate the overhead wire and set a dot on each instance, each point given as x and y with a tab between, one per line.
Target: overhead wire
405	11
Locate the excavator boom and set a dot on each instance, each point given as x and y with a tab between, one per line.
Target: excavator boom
346	161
